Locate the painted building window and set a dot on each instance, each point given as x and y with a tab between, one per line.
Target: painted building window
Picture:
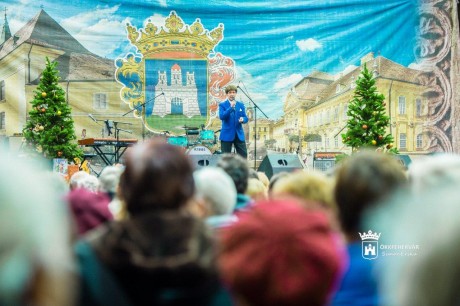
345	110
2	91
336	113
100	101
418	107
336	141
402	105
419	141
326	141
402	141
2	121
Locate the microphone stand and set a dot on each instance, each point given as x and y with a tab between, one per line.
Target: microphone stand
255	124
143	111
117	137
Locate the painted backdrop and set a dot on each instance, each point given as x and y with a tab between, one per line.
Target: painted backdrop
165	63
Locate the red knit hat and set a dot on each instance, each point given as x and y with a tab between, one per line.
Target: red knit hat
280	254
88	209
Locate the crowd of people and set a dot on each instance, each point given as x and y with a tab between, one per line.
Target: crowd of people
157	231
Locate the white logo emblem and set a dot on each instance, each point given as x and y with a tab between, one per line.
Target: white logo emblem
370	245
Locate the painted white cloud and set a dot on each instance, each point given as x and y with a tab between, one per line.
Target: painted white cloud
162	3
156	19
417	66
249	85
261	92
101	31
308	44
103	37
287	82
15	24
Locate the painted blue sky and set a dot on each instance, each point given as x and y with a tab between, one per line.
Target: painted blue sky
274	43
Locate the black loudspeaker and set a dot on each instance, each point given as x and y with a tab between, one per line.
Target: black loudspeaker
200	161
276	163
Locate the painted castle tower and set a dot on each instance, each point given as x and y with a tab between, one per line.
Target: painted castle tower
179	99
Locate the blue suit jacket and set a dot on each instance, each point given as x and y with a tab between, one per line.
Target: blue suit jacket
230	117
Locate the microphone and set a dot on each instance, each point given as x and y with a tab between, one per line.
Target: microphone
92	118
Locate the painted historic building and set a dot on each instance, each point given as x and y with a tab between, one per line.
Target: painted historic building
87	79
317	105
178	98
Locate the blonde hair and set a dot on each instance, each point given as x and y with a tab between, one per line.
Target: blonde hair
256	190
263	178
313	185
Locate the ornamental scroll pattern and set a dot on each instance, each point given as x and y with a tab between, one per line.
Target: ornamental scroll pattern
435	53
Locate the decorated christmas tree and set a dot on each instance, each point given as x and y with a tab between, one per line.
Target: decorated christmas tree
50	129
367	120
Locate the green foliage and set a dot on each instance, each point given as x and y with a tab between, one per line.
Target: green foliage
270	142
367	120
312	138
293	138
340	158
49	130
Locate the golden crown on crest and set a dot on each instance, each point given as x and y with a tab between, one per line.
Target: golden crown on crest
369	235
175	36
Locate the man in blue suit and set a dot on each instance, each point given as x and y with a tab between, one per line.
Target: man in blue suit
233	115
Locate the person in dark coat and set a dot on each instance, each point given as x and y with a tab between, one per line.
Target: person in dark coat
161	254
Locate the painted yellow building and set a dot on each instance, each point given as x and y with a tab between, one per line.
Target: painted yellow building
318	105
258	133
87	79
279	136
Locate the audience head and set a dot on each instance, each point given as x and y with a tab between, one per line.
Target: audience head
58	182
424	218
256	190
237	168
76	178
157	176
90	183
432	171
274	179
314	186
252	174
280	253
216	188
363	180
36	265
89	209
109	179
263	178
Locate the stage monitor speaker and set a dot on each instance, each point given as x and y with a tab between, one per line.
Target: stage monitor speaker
404	159
276	163
200	161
